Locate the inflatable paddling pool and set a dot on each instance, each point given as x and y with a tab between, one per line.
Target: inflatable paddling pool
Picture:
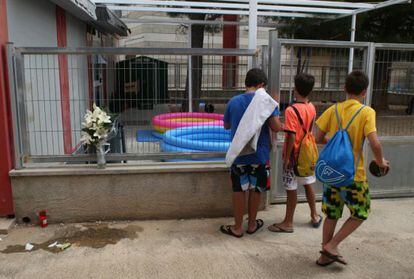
168	121
197	139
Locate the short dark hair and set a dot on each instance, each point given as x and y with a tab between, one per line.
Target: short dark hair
356	82
254	77
304	84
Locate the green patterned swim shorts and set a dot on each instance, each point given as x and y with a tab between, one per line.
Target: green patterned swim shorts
355	196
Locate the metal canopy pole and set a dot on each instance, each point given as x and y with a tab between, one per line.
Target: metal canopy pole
351	50
252	29
18	162
190	72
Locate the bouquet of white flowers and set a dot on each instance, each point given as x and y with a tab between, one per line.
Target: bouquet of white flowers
96	127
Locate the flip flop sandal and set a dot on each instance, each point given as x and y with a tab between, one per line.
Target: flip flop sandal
277	229
335	258
259	224
317	224
227	230
324	264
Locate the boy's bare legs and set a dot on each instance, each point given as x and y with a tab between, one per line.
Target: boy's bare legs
254	202
330	242
349	227
310	197
327	234
238	207
292	199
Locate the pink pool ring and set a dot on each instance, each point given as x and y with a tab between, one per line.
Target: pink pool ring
167	121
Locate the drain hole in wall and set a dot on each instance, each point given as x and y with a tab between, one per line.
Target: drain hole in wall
26	220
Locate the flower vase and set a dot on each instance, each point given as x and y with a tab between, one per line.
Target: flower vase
100	156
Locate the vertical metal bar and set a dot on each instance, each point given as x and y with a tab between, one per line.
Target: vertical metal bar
291	75
364	61
255	61
34	99
275	50
252	29
264	62
50	105
370	72
42	105
351	50
18	163
20	103
190	74
370	68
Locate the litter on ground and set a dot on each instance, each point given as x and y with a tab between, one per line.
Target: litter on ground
63	246
28	247
52	245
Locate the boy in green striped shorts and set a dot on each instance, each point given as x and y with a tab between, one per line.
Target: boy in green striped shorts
355	196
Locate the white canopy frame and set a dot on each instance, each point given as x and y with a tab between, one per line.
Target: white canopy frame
255	8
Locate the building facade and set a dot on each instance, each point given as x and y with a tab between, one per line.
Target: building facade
49	23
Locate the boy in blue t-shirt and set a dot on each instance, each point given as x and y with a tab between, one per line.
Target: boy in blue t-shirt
249	173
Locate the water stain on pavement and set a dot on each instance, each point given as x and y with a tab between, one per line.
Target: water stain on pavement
93	236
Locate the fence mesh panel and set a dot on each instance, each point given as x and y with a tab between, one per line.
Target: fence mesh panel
134	89
328	65
137	89
393	91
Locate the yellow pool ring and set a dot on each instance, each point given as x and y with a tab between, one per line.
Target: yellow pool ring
182	119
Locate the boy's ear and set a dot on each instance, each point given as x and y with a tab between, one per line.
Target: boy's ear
363	93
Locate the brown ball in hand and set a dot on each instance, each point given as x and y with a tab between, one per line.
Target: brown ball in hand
375	170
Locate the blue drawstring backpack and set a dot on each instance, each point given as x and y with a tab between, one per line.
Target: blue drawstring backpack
336	165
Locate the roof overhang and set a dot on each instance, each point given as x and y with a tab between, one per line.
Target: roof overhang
108	20
101	18
82	9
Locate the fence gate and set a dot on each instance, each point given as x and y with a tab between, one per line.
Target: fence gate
328	62
393	100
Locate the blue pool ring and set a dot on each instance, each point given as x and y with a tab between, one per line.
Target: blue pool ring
194	160
199	138
172	148
157	135
215	137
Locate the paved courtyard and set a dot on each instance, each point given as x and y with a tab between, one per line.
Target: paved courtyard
382	248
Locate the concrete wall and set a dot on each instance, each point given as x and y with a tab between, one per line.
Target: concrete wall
171	35
157	191
33	23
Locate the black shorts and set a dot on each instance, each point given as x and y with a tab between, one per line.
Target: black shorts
250	177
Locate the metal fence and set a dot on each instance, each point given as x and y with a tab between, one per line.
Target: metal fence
390	67
327	61
390	93
55	86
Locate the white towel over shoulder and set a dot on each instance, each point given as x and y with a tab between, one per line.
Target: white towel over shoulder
247	134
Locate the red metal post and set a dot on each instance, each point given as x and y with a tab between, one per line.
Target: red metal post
230	35
6	137
64	80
